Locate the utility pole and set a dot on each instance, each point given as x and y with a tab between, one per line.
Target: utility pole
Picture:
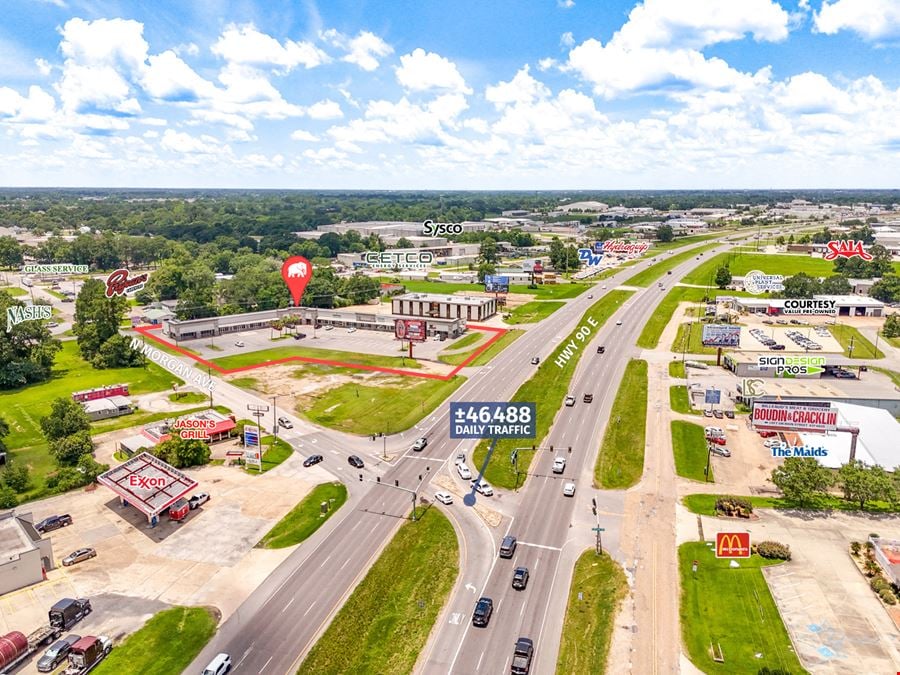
274	419
708	455
597	529
850	348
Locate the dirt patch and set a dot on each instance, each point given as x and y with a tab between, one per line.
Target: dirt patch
488	515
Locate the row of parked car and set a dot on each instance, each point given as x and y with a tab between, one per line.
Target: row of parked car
765	339
715	441
803	341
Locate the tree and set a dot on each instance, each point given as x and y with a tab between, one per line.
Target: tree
485	269
881	262
779	240
117	352
891	329
97	319
26	351
4	431
801	479
182	453
488	252
10	252
801	285
836	285
403	242
66	418
69	449
359	288
665	233
861	483
16	477
90	468
723	276
886	289
8	499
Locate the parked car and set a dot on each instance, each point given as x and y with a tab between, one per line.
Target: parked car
569	490
535	360
707	412
729	414
53	523
559	464
716	440
767	434
56	653
299	336
239	343
285	423
312	459
355	462
520	578
329	327
198	500
463	471
720	450
718	414
444	497
351	329
483	610
420	444
570	400
776	347
483	488
52	324
78	556
772	443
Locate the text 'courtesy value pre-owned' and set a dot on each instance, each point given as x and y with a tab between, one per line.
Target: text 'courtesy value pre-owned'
581	336
506	419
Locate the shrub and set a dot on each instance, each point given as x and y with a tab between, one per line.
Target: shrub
774	550
734	506
8	498
16	477
878	583
854	547
872	568
887	596
873	535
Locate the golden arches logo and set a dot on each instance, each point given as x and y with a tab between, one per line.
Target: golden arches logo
733	545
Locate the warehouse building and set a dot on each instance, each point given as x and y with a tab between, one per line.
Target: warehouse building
24	556
847	305
434	306
105	408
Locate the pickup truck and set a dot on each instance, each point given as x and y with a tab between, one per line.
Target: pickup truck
521	662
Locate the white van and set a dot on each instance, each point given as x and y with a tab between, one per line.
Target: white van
220	665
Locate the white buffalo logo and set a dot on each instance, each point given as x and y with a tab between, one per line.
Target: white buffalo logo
297	269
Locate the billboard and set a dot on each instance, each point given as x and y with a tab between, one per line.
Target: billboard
713	396
721	335
802	416
845	248
410	329
252	451
496	284
732	544
809	306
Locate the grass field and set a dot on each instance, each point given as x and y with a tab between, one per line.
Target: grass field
364	409
486	355
385	623
705	504
652	273
682	241
541	292
894	375
188	397
547	387
689	340
275	453
678	398
621	460
653	329
468	340
166	644
14	291
589	622
689	447
533	312
305	518
676	369
862	347
145	417
732	609
263	355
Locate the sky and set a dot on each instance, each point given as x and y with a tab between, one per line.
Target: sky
468	94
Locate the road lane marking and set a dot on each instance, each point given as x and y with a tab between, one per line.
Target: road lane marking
287	605
309	609
549	548
324	562
478	667
345	564
249	649
266	663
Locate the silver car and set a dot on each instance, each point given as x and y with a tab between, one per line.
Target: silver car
79	556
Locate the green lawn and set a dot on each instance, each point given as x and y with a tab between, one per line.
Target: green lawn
732	609
166	644
276	452
683	241
894	375
541	291
589	622
368	409
705	504
689	339
533	312
689	446
14	291
188	397
467	340
384	625
485	356
649	338
652	273
547	388
862	347
305	518
621	460
676	369
245	382
275	353
679	400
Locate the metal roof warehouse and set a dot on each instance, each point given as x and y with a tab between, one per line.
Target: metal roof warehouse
147	483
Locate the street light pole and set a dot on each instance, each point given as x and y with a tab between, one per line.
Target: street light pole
274	418
708	455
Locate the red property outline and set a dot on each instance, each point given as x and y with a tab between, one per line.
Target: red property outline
498	333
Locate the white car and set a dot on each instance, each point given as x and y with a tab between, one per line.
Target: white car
569	490
443	497
239	343
483	488
329	327
570	400
559	465
351	329
463	471
619	323
772	443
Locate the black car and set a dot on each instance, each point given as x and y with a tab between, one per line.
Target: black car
56	653
588	398
355	462
520	578
312	459
483	610
535	360
53	523
601	349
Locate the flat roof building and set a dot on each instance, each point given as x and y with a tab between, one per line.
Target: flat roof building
104	408
846	305
434	306
24	556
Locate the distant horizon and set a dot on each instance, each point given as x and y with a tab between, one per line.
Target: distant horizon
8	188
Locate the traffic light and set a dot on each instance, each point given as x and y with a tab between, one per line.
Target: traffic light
594	505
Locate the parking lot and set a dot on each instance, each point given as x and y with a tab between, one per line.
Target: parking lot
208	559
756	332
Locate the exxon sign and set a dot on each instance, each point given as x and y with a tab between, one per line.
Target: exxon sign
147	482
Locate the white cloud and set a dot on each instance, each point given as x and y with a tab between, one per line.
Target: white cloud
183	143
872	19
546	64
523	88
38	106
565	4
303	135
44	67
189	48
325	110
169	78
364	50
423	71
246	45
567	39
812	93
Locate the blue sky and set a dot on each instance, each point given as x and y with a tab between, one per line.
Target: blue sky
510	94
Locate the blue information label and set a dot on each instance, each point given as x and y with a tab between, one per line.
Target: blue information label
507	419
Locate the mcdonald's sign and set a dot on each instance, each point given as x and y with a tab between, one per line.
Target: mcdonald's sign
733	545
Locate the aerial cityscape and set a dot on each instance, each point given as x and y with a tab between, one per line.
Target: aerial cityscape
541	337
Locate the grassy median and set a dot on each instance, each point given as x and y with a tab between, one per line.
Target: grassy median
166	644
305	518
689	446
455	359
621	460
705	504
385	623
533	312
862	347
275	353
652	273
589	622
679	400
731	609
547	388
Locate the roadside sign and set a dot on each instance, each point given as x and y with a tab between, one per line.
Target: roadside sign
721	335
505	419
799	416
713	396
732	544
